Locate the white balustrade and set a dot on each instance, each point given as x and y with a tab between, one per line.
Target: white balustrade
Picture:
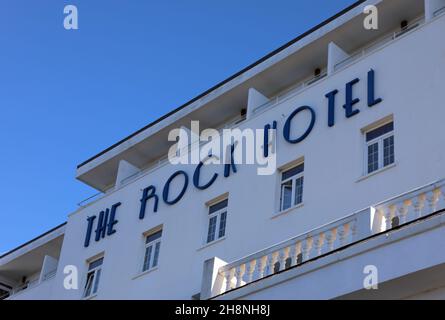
306	247
289	254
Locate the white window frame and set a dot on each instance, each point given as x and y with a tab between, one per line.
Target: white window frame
294	179
218	214
153	245
380	148
94	280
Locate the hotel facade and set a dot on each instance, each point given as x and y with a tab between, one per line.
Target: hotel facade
352	118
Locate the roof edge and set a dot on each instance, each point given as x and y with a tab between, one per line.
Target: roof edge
220	84
32	240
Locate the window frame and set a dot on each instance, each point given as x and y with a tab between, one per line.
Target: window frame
379	140
152	244
293	178
95	278
218	215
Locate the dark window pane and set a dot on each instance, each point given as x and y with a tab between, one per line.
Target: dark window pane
292	172
156	255
153	237
373	157
222	225
218	206
89	284
96	281
147	258
388	151
95	263
286	195
299	191
212	229
380	131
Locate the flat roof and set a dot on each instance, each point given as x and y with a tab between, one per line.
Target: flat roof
283	47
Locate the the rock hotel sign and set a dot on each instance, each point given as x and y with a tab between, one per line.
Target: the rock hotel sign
105	223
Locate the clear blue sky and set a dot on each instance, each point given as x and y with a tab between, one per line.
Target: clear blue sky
67	95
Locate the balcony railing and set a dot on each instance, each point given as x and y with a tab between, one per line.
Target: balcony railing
439	12
372	47
31	284
334	236
291	92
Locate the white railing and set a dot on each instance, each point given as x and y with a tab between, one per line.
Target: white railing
90	199
379	43
439	12
49	275
382	217
291	92
410	206
26	286
34	283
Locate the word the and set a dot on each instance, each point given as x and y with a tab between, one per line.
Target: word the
105	224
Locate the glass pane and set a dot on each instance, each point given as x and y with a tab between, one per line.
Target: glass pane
388	151
218	206
96	282
156	255
380	131
286	195
212	229
373	157
89	284
222	225
147	258
153	237
95	263
292	172
299	190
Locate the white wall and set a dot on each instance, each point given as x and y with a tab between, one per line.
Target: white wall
409	78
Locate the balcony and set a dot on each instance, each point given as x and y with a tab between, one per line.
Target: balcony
411	214
27	272
35	289
380	43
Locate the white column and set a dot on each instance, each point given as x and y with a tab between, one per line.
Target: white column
432	7
335	56
255	99
240	270
212	281
250	270
419	203
125	171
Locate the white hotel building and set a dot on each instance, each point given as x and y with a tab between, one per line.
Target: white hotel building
358	194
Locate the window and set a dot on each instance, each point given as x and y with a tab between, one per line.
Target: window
291	187
379	147
93	277
217	221
152	249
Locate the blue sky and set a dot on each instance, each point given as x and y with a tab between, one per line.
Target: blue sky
67	95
